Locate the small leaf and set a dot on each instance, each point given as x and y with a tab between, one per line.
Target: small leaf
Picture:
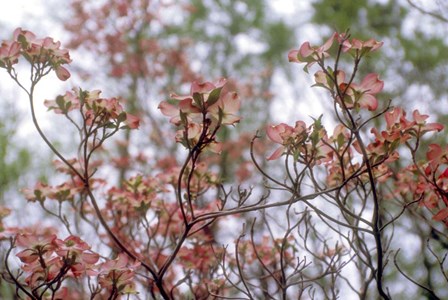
121	117
198	100
60	101
110	125
22	40
214	96
340	140
183	118
68	105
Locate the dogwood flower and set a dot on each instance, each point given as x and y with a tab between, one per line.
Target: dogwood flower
118	273
200	114
311	54
286	136
45	52
358	45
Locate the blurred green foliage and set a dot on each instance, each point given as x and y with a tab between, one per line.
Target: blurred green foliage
14	159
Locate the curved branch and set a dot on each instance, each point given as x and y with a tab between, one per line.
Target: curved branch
430	292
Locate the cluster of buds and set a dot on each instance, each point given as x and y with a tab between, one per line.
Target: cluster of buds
41	53
200	114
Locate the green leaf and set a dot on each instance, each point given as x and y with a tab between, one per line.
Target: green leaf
340	140
67	106
214	96
22	40
198	99
121	117
183	118
60	101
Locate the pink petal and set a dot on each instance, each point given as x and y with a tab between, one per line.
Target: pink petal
62	73
201	88
177	97
229	119
187	106
373	44
393	116
433	127
346	45
368	101
132	121
220	82
273	132
418	118
90	257
435	151
441	215
321	78
293	56
372	84
306	50
329	42
230	103
277	153
168	109
340	76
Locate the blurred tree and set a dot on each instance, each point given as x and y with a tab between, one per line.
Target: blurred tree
14	160
153	48
14	163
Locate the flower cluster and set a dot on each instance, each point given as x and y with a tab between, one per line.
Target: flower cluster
353	95
201	113
48	261
349	94
426	181
117	275
136	194
98	111
41	53
316	54
69	189
398	131
62	192
305	144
